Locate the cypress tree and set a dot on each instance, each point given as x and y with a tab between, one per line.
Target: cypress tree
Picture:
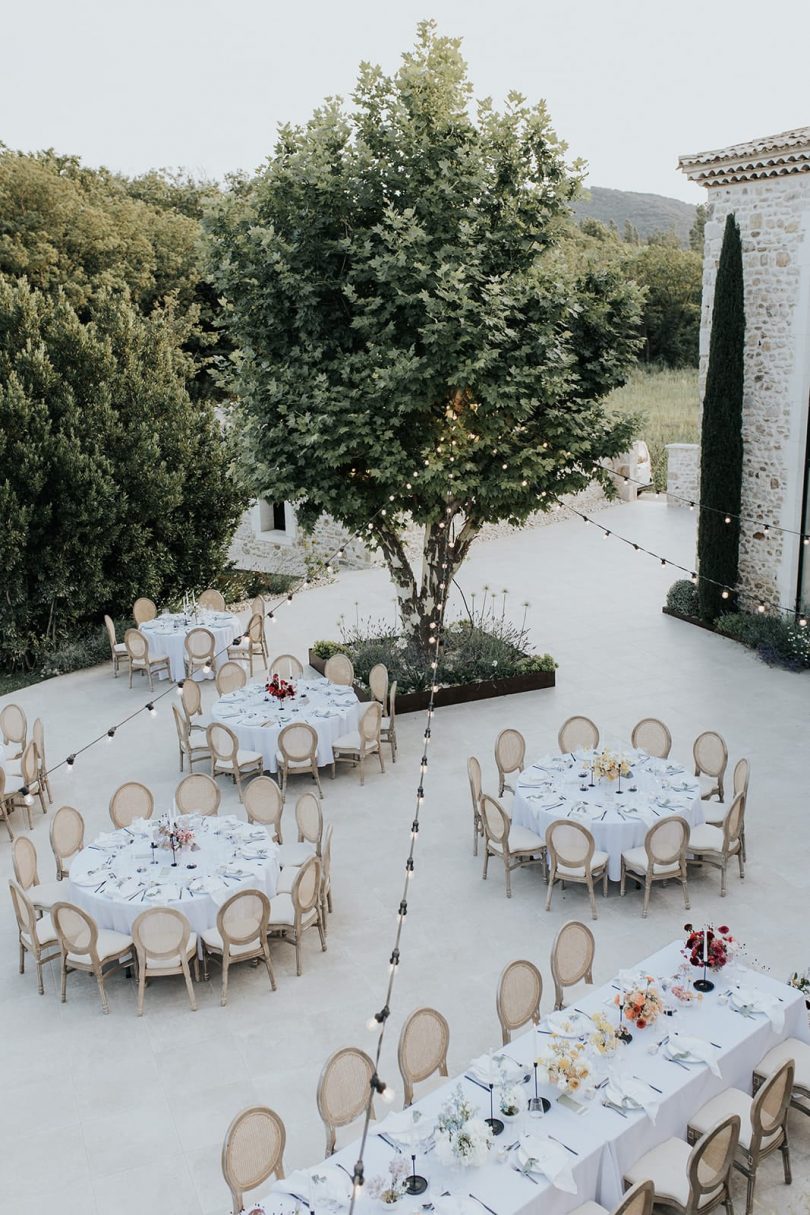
721	433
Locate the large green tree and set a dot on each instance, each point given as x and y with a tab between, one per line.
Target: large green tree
413	345
113	482
721	445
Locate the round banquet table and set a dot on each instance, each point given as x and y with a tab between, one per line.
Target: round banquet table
166	634
119	875
257	718
550	789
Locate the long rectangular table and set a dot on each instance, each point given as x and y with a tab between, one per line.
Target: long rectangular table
606	1144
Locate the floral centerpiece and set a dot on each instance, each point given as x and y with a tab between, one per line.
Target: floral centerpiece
280	688
603	1038
610	765
714	946
175	835
565	1064
461	1136
390	1189
511	1101
641	1004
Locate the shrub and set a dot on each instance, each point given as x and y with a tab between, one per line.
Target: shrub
238	585
325	649
682	597
537	662
777	641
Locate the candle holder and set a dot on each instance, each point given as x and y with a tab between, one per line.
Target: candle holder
415	1183
153	846
538	1105
591	784
623	1033
494	1124
619	791
704	984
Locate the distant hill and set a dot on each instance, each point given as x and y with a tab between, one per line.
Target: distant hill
647	212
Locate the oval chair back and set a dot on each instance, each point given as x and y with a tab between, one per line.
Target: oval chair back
578	733
198	793
264	804
338	669
143	610
212	599
572	955
253	1151
343	1090
130	801
520	989
231	676
652	736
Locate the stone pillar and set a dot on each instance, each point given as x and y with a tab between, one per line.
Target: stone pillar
683	473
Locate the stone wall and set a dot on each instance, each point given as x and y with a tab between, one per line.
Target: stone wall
683	473
774	220
252	550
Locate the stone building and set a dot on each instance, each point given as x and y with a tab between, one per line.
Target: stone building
269	539
766	185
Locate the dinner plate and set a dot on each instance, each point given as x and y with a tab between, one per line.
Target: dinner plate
567	1024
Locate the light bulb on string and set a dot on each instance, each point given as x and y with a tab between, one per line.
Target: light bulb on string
26	796
151	710
605	535
663	560
693	579
70	763
727	519
760	608
802	622
111	734
180	683
290	596
724	593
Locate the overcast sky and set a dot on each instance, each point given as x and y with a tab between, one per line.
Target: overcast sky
203	83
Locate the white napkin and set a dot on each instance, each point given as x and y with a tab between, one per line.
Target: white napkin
109	839
747	999
681	1046
212	884
87	879
545	801
629	1093
494	1069
326	1183
123	889
407	1127
568	1023
538	1155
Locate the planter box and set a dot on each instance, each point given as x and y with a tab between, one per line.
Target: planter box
459	694
701	624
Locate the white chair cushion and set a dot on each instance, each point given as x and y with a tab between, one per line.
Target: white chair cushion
173	963
294	854
666	1166
707	838
590	1208
292	764
243	758
351	742
287	878
521	839
598	861
732	1101
707	783
213	939
46	933
636	859
281	910
791	1048
109	944
46	894
121	649
715	813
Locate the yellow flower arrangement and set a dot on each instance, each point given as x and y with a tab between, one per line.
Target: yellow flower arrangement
565	1065
603	1039
610	766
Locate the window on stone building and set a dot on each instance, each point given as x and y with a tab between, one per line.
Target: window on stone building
275	520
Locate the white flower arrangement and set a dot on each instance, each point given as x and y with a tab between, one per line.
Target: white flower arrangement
511	1101
461	1136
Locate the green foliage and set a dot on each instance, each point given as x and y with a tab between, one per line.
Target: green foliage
696	232
666	403
673	279
238	585
483	645
777	640
721	450
682	597
405	321
114	482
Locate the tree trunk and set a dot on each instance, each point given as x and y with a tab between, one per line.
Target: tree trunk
422	600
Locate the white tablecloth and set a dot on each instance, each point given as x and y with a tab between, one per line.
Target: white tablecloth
127	856
167	634
257	718
552	789
606	1143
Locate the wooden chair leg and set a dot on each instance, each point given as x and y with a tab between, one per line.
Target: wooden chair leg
40	983
224	996
105	1004
63	992
646	903
508	878
189	986
551	880
269	965
22	958
141	985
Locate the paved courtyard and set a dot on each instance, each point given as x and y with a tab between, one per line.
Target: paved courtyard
126	1115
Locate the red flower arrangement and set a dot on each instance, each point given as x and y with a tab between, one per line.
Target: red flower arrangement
717	942
280	688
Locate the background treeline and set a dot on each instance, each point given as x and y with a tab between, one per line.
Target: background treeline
116	471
